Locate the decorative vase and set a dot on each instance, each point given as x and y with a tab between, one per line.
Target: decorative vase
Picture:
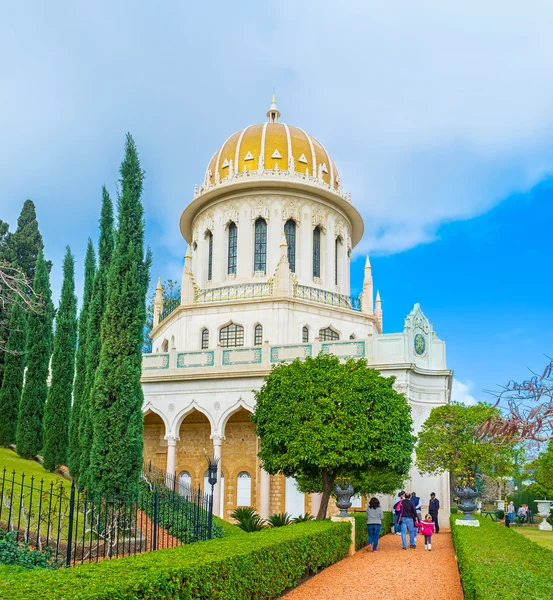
343	493
467	504
544	507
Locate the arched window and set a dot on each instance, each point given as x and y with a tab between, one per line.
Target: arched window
231	336
258	335
337	244
328	335
304	335
209	238
290	233
243	489
165	346
260	251
232	248
317	252
205	339
185	483
352	336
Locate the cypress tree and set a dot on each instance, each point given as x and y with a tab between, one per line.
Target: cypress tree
106	244
27	240
14	367
58	405
74	453
37	357
117	398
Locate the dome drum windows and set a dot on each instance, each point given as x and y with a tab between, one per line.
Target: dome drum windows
232	248
317	252
209	239
290	233
231	336
260	249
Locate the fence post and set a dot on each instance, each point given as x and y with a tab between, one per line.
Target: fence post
210	515
156	500
71	516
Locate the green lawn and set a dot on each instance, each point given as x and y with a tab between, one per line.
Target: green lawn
12	462
543	538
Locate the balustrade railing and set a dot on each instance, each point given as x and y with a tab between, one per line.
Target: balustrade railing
304	292
243	291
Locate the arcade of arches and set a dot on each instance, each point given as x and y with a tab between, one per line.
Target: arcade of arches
241	481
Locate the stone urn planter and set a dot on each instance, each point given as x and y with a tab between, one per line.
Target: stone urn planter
467	504
343	492
544	508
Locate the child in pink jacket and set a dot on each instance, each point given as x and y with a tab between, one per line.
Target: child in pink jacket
426	528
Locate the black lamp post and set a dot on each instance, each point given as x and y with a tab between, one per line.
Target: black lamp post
212	464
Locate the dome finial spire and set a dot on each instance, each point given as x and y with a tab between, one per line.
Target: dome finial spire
273	113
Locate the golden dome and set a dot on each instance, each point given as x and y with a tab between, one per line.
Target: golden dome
272	145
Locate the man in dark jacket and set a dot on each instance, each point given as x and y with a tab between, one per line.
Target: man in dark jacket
433	508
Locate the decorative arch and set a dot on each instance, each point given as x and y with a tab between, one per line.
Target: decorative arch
223	419
258	334
150	408
327	336
232	334
183	413
305	334
204	338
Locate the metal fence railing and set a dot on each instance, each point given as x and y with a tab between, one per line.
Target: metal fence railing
85	527
325	297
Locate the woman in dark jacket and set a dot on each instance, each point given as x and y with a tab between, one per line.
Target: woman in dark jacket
408	518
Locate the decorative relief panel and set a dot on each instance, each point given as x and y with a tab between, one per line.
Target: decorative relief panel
344	349
187	360
242	356
290	353
155	361
291	211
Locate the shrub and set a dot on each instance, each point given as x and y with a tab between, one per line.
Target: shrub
20	554
260	566
248	519
228	528
361	538
496	563
500	514
303	518
279	520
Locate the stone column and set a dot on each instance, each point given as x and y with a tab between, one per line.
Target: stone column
171	455
315	504
265	494
217	453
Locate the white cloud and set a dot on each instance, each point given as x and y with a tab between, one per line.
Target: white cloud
461	392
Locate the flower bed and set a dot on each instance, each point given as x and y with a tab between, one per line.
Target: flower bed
361	527
238	567
497	563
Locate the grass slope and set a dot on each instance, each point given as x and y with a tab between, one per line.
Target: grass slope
543	538
11	461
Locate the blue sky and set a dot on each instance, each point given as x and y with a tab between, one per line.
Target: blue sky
439	118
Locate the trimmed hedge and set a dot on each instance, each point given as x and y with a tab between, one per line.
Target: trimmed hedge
361	538
228	528
496	563
257	565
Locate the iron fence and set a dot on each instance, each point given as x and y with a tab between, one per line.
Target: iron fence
86	527
324	297
234	292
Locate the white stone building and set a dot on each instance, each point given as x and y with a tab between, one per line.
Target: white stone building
266	279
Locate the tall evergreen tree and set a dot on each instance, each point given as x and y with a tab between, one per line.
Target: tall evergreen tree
98	298
14	367
117	397
74	452
37	357
58	405
27	240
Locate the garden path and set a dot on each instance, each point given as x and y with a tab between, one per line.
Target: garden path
389	573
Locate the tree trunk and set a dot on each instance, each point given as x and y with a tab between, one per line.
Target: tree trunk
328	482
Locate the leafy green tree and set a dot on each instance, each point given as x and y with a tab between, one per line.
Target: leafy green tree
97	308
117	397
38	348
74	451
12	382
542	469
320	420
171	300
58	405
449	441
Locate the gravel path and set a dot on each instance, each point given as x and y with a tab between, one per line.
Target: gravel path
390	573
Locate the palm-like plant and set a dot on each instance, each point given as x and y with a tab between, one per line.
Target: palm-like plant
280	520
302	518
248	519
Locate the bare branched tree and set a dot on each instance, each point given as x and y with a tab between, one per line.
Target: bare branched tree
527	409
15	287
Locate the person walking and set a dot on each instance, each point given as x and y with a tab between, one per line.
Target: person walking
416	501
426	528
374	522
396	510
408	517
433	508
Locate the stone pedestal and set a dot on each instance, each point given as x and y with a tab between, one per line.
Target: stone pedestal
468	522
351	520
